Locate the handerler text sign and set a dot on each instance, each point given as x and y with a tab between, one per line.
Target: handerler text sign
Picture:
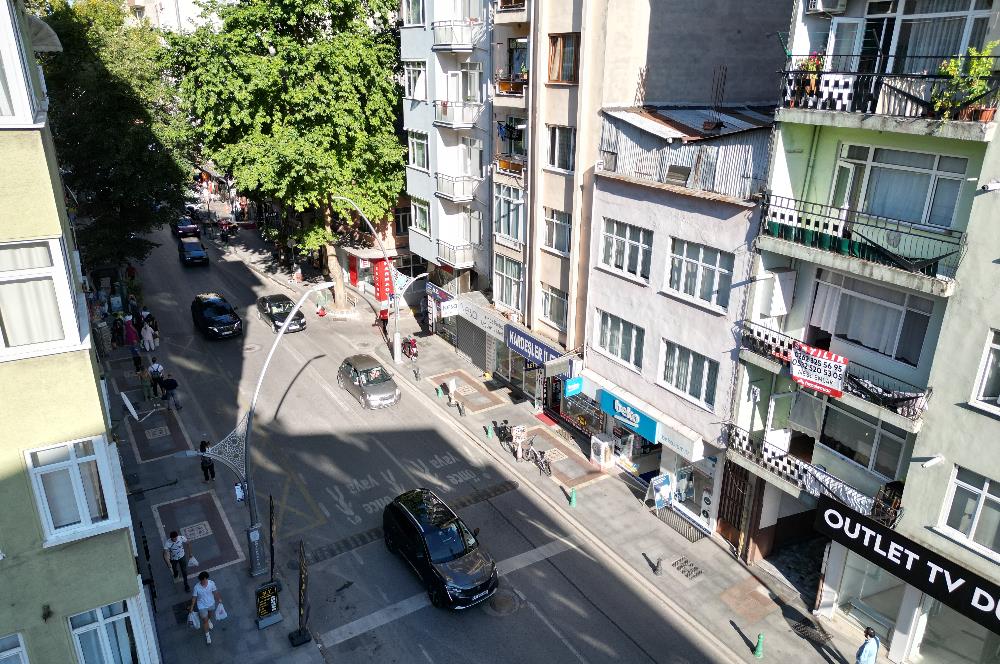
818	369
969	594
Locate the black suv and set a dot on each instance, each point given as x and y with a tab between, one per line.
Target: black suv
439	547
214	317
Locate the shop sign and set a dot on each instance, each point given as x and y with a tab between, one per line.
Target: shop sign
438	293
660	488
383	281
490	323
968	593
685	446
561	366
629	415
818	369
572	386
450	308
530	366
528	347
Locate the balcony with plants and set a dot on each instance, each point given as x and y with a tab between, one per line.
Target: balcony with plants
511	11
511	81
511	145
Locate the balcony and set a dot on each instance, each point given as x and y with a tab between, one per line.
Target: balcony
511	91
456	36
884	507
907	87
927	251
457	114
512	164
869	385
510	11
457	255
459	189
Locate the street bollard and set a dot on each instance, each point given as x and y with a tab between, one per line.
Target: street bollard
572	497
489	431
440	393
658	567
758	652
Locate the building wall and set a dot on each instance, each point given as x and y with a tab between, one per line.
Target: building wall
31	204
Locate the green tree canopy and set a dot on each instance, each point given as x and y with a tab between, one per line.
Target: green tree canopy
121	143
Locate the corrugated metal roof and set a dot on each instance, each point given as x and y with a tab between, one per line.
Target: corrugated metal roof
688	124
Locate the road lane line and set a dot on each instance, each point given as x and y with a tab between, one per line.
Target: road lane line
548	623
414	603
322	508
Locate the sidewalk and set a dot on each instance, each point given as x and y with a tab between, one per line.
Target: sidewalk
732	600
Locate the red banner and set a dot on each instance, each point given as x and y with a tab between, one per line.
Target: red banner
383	280
818	369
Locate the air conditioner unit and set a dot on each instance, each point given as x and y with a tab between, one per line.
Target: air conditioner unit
826	6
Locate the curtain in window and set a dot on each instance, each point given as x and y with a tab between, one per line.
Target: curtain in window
25	256
925	43
824	313
93	491
868	323
943	204
640	338
60	498
29	312
568	59
896	194
806	414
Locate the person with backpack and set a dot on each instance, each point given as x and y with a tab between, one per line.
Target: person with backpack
169	386
156	375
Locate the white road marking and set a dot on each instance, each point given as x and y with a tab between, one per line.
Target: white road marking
552	628
322	508
414	603
303	478
424	651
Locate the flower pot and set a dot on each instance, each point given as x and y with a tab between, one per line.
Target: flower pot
986	114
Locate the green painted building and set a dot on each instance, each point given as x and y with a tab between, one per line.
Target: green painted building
70	589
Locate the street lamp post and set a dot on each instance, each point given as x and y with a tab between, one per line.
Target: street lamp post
234	449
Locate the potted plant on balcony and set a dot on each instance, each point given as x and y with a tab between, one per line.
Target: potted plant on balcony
967	79
809	68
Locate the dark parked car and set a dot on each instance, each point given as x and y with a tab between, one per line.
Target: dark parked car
186	227
444	553
368	381
191	251
214	317
273	309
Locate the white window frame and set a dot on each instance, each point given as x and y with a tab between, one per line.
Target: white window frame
509	198
699	267
27	107
471	81
100	626
472	225
637	344
549	294
684	393
553	148
18	651
415	138
957	535
554	219
86	527
401	219
879	432
415	79
412	12
982	375
500	277
627	244
417	205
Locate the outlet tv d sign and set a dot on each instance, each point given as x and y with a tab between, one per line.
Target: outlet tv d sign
968	593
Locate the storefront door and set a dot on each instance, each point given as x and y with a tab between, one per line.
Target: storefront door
735	484
553	397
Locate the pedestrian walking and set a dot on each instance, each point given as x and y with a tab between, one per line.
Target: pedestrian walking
145	313
868	652
207	465
206	599
132	308
176	551
136	357
155	324
148	337
146	382
156	375
118	330
131	334
169	386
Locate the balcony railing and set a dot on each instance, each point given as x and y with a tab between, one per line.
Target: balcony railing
873	386
510	5
934	252
457	113
913	87
511	86
513	164
456	188
813	480
457	255
458	34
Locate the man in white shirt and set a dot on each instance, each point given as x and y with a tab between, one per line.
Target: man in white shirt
206	599
176	551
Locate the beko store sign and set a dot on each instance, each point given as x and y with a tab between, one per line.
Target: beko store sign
968	593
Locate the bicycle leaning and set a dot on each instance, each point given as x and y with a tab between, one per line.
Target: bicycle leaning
539	458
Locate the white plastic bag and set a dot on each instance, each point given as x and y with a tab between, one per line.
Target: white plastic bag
192	561
220	612
194	620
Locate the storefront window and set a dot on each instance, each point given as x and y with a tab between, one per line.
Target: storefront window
870	595
951	638
695	483
448	329
584	413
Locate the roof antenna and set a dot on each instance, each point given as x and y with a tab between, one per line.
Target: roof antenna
714	123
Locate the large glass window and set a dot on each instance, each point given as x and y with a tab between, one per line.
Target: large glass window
627	248
401	223
870	595
418	150
511	135
413	12
977	645
415	79
863	439
563	58
508	211
421	215
620	338
974	513
69	486
31	278
507	281
932	30
554	305
562	145
105	635
557	230
988	383
12	650
701	271
472	74
691	373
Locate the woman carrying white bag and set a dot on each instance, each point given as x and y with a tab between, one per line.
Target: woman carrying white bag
208	602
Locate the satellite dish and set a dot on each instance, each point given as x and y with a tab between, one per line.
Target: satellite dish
130	407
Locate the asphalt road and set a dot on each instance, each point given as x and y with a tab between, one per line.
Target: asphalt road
332	466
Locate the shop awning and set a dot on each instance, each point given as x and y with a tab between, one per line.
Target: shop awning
372	253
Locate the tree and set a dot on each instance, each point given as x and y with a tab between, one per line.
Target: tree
119	139
297	101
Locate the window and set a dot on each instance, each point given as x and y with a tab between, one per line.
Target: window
562	141
35	304
875	445
472	75
69	486
988	386
620	338
627	248
421	215
472	225
12	650
916	187
415	79
105	635
410	264
554	306
563	58
507	281
413	12
511	135
508	209
418	150
690	373
557	230
884	320
700	271
402	221
934	29
974	513
472	156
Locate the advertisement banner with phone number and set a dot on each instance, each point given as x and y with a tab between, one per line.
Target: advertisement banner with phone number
818	369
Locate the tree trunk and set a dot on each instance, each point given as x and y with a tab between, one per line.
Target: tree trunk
333	269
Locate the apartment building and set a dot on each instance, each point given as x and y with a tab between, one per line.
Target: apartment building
866	399
71	590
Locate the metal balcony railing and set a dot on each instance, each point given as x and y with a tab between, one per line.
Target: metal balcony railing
872	385
913	87
458	34
512	86
511	163
934	252
457	255
456	188
457	113
809	478
609	161
510	5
